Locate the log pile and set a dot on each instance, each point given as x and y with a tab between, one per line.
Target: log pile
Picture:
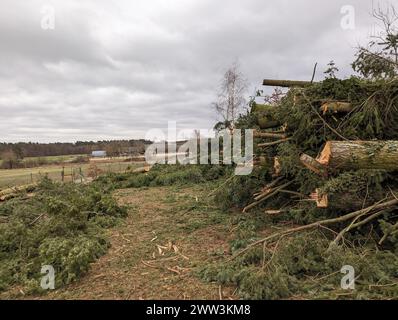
10	193
333	146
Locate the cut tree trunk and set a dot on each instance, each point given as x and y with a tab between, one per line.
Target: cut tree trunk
313	164
13	192
269	135
336	107
321	200
343	201
144	169
286	83
354	155
277	167
274	143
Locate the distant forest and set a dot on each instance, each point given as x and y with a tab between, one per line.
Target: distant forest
112	147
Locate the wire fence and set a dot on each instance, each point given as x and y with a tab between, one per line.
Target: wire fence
66	173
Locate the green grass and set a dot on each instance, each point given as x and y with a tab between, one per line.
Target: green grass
51	159
17	177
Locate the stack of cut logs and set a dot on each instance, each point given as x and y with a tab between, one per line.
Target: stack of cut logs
11	193
335	156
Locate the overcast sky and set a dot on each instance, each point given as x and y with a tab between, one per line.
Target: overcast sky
116	69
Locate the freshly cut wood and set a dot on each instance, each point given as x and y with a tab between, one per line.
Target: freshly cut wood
277	167
275	212
296	99
336	107
344	201
354	155
12	192
322	200
144	169
286	83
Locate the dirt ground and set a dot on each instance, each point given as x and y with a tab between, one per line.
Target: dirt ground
155	252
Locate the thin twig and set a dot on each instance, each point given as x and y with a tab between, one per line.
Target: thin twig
37	219
274	192
270	144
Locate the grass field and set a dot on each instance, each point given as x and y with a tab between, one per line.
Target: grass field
51	159
18	177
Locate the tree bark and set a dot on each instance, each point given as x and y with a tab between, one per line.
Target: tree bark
144	169
270	135
345	201
354	155
262	112
313	164
12	192
286	83
322	201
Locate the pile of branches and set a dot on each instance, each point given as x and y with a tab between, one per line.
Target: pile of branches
62	225
330	150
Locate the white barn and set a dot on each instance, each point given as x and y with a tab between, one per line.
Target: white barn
98	154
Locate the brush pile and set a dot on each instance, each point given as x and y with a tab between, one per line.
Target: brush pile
323	194
329	151
62	225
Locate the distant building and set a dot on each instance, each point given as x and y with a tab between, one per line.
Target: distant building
98	154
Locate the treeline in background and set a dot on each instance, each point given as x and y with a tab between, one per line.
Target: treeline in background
12	154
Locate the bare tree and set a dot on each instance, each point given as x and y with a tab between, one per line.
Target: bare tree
380	58
275	97
231	97
196	134
9	158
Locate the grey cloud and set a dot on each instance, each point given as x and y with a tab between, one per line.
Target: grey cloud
116	70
